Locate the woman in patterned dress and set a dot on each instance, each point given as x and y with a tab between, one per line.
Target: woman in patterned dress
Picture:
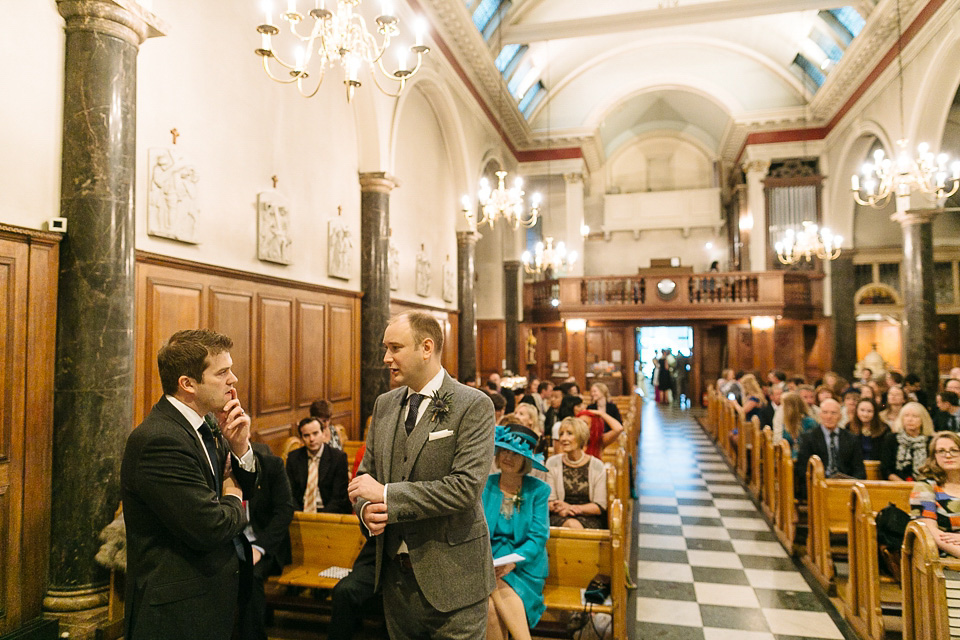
578	481
935	501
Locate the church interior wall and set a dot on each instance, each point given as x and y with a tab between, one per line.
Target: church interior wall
659	163
623	255
32	112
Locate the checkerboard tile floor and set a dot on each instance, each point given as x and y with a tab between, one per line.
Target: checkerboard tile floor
708	565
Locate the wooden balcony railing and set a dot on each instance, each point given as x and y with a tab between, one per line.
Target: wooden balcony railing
722	295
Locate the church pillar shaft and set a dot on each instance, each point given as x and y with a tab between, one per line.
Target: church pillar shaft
842	290
919	303
756	227
511	310
94	366
467	304
375	281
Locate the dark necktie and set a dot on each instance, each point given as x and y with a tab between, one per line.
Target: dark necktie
413	409
834	454
206	436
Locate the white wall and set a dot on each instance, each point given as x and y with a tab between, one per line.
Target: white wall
31	113
659	163
622	255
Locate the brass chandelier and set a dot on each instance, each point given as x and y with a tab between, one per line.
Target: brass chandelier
548	260
811	241
338	34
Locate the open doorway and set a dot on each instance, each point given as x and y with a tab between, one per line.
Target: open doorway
650	342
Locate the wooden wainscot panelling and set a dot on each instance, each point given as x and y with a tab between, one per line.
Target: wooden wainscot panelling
311	351
29	262
170	306
341	364
276	354
345	419
491	346
231	313
275	437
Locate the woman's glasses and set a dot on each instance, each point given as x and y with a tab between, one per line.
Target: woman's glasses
948	453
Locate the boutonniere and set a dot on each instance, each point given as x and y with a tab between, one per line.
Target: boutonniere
440	405
214	425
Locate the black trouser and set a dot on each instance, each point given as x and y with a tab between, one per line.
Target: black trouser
352	595
251	624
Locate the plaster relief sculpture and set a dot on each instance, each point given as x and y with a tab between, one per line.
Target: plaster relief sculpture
273	228
339	246
423	273
449	283
394	264
173	206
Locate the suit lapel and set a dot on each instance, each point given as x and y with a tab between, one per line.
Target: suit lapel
392	407
170	411
418	437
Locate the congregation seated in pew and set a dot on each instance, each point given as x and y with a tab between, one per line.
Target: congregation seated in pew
904	451
935	500
838	448
866	424
797	419
317	471
578	491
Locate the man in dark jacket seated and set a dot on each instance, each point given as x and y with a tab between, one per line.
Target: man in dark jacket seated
839	449
318	472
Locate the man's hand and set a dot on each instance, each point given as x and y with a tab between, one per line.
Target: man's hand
366	487
256	555
375	517
230	486
235	426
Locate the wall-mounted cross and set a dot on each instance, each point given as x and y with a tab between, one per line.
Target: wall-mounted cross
275	181
175	134
339	210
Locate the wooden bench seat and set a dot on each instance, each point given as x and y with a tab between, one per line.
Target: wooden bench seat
575	556
319	541
786	516
925	607
867	589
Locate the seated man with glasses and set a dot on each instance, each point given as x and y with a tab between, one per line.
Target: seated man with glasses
935	499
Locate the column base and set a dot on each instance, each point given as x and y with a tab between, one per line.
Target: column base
81	625
40	629
62	601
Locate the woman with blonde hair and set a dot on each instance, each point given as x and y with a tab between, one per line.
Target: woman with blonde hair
600	394
578	481
753	398
904	451
935	500
797	419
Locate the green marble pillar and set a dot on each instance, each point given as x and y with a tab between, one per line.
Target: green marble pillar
94	369
919	300
467	304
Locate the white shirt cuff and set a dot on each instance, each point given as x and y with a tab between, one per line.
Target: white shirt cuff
248	461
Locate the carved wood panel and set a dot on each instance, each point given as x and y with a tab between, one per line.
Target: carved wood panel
276	354
340	365
231	313
312	347
491	339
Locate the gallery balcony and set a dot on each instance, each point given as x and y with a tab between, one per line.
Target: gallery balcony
665	294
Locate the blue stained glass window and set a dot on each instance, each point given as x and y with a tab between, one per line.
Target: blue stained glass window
507	55
827	45
850	18
529	96
484	12
810	70
514	84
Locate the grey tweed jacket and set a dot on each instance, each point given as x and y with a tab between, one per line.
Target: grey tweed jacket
434	497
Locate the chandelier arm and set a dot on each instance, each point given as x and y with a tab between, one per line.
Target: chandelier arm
387	92
323	69
266	67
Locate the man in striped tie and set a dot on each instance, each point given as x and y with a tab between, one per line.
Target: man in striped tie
317	471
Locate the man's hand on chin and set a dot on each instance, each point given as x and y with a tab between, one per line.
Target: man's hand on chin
366	487
235	426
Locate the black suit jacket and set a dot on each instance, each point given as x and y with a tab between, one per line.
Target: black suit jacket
271	510
943	421
812	443
181	556
331	479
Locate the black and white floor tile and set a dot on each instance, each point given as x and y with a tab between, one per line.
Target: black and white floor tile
708	565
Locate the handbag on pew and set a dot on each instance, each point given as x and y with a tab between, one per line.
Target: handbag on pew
892	524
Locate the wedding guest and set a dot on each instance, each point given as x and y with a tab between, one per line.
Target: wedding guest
600	395
905	450
578	481
947	417
935	500
867	424
850	399
317	472
896	398
603	428
322	410
797	419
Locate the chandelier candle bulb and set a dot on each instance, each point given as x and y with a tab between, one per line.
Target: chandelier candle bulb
291	6
402	59
421	28
268	12
387	8
855	182
300	57
265	42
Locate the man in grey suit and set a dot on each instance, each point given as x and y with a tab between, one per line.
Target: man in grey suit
429	450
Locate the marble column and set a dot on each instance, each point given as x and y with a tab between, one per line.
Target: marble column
919	303
756	228
467	304
511	310
375	190
94	366
574	219
843	286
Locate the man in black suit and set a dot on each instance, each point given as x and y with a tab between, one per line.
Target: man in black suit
270	513
185	472
328	492
947	416
839	449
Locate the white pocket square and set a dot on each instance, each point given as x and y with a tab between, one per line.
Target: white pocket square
436	435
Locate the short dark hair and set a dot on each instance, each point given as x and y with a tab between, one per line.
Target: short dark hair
321	409
950	397
306	421
499	402
896	375
911	378
423	326
566	387
491	385
185	354
544	386
779	375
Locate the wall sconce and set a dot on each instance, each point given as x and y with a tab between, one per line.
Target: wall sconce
762	323
576	325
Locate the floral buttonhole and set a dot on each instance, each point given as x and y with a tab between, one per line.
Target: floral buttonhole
440	405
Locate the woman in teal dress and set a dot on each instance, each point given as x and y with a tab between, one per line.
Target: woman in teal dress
515	505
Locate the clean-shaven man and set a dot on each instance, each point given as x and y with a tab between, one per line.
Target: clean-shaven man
429	449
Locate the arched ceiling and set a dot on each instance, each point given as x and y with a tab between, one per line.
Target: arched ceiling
602	72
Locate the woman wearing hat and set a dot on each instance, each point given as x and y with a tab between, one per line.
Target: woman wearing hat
515	505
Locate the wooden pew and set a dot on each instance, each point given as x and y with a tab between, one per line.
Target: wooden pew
785	518
925	607
867	589
319	541
756	463
350	447
748	440
873	469
713	413
575	556
771	463
828	514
